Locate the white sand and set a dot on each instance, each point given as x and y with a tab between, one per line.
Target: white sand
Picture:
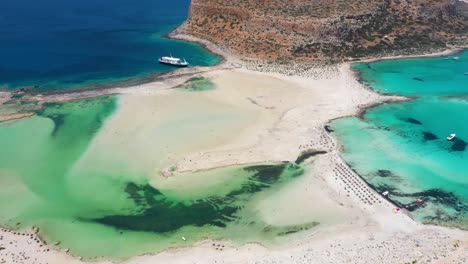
280	117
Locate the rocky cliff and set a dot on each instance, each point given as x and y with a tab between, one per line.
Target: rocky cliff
324	30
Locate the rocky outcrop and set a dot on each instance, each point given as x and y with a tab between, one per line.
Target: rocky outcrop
324	30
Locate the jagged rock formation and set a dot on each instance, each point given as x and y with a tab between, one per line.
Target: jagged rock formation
324	30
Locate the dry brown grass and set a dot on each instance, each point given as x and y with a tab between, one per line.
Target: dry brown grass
326	29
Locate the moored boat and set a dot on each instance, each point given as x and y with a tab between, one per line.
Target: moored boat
173	61
451	136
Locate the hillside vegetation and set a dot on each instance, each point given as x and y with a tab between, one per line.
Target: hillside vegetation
328	29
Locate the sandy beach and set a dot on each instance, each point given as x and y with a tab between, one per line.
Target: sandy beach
274	114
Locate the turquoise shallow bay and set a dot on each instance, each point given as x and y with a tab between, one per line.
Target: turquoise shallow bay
108	210
439	76
405	150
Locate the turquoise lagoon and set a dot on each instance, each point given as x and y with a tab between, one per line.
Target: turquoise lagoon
105	208
402	147
438	76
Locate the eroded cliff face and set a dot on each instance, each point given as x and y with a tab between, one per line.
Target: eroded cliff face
324	30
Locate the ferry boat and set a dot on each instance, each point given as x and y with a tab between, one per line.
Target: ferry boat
173	61
451	136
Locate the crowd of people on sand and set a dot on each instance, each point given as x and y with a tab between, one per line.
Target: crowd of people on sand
353	184
322	144
19	255
432	247
315	71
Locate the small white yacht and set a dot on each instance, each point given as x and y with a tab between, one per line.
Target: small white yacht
173	61
456	58
451	136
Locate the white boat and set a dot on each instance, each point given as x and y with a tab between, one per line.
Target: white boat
173	61
456	58
451	136
184	239
385	193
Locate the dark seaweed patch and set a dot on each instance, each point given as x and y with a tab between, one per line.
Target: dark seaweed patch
429	136
384	173
59	113
307	154
328	129
413	121
10	102
59	120
17	96
287	230
441	197
197	84
58	117
157	213
440	216
385	128
437	196
29	102
458	145
162	215
266	173
195	79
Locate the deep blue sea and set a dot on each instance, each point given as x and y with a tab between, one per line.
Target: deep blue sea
56	44
402	147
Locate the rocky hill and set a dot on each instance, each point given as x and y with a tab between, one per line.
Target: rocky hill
324	30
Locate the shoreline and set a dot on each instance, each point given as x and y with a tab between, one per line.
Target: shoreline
176	77
97	90
446	52
136	80
210	47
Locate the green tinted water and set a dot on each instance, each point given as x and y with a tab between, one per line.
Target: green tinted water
107	213
197	84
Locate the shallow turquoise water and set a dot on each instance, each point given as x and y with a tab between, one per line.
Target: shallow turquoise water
405	150
106	210
440	76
